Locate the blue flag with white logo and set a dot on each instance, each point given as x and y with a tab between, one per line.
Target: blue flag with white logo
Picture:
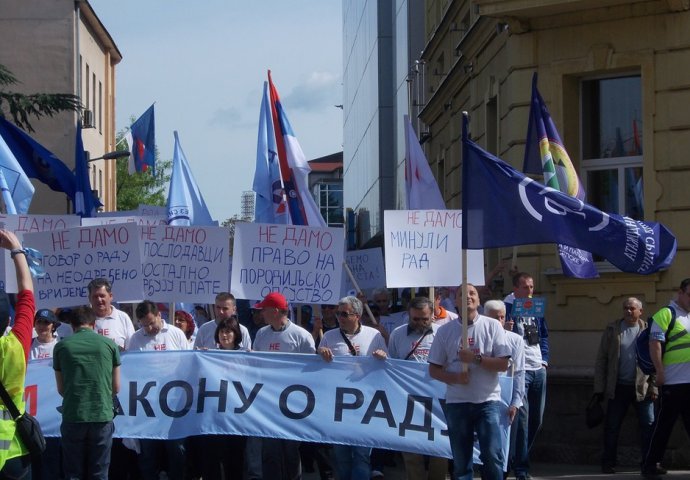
502	208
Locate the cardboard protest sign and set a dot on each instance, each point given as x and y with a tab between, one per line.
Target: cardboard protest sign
21	224
75	256
367	267
184	264
303	263
424	247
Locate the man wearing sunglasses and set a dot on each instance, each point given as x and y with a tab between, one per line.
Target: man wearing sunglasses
352	338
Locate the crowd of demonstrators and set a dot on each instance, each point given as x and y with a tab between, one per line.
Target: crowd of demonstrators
535	333
427	331
671	357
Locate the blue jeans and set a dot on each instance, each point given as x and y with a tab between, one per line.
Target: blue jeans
86	449
463	420
529	418
352	463
615	414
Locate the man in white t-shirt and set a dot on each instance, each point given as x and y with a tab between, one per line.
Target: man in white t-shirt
473	391
352	338
412	342
110	322
224	307
157	335
281	458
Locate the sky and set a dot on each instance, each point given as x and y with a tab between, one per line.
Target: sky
203	63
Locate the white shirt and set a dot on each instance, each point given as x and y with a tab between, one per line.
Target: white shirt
401	343
533	359
206	336
449	317
291	339
42	350
64	330
365	342
487	337
117	326
517	367
169	338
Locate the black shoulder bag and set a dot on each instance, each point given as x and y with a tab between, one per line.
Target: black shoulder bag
417	344
349	344
28	428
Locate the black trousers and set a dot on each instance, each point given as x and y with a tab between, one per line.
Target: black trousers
674	401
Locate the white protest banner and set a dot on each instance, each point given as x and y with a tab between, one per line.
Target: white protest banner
184	264
75	256
367	267
303	263
361	401
21	224
424	247
152	210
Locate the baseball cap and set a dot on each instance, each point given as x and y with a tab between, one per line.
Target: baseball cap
273	300
46	315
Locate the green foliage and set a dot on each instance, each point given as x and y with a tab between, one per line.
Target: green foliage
141	187
20	106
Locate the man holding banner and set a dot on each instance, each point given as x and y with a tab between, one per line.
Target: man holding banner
281	459
473	393
352	338
412	342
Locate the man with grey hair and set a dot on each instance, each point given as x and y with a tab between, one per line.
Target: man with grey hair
412	342
618	379
497	309
352	338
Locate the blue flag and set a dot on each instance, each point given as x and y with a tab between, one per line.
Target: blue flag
186	206
17	190
37	161
142	143
271	206
545	153
85	203
502	208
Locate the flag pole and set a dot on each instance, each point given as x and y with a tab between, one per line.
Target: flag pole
359	291
463	309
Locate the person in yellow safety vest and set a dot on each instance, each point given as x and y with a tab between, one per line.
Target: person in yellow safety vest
14	353
672	376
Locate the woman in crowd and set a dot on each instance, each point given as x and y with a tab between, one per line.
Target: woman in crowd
185	322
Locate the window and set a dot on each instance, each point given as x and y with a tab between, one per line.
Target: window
329	197
100	107
612	144
86	87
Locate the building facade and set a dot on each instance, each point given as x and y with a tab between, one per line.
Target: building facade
616	77
60	46
326	186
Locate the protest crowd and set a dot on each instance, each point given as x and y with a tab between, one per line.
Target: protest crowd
87	345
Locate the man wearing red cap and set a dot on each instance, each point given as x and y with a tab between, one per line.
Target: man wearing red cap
281	458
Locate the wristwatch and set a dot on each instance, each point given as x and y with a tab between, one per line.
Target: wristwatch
478	359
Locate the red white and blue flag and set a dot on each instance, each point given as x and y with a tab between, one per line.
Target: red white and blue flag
420	185
142	143
294	169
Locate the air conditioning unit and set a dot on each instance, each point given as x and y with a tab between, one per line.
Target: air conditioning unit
87	119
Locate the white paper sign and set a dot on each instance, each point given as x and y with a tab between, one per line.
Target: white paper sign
112	219
184	264
424	248
367	267
74	257
303	263
21	224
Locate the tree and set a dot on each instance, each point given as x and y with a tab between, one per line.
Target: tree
21	106
141	187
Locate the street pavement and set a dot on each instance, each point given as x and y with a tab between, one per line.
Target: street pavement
547	471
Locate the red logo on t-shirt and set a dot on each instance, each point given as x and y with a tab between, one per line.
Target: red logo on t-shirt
274	347
104	331
159	347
